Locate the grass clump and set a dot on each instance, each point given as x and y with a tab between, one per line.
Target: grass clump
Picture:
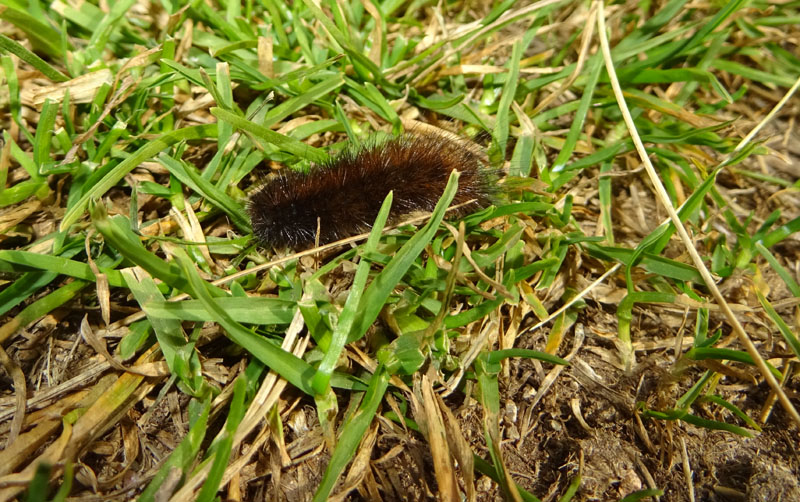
520	351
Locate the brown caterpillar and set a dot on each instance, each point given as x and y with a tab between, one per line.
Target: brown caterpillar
345	194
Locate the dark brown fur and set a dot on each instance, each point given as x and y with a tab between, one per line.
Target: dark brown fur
346	193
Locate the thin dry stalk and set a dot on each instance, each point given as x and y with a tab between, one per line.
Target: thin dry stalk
663	197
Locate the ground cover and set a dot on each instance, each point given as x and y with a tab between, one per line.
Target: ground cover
620	324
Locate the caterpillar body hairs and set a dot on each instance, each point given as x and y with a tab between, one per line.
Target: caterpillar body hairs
342	197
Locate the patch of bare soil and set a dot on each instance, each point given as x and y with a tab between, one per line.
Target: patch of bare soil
556	423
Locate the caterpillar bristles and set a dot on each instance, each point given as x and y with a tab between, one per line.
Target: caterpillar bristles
342	197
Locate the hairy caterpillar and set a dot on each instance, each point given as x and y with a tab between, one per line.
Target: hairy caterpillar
342	197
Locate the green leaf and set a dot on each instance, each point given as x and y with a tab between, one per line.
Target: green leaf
41	308
784	274
292	105
119	171
23	288
489	397
733	409
285	143
176	349
117	232
697	421
60	265
701	353
496	356
487	469
352	433
781	233
625	315
296	371
350	313
506	98
224	444
382	286
786	331
8	45
594	67
248	310
187	175
41	35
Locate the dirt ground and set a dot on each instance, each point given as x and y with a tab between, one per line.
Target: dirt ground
586	424
556	424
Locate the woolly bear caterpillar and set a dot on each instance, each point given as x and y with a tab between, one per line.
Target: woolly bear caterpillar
342	197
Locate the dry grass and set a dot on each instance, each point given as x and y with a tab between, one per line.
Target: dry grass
153	351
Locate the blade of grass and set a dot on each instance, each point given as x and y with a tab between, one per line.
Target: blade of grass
41	307
350	312
42	36
779	269
23	288
296	371
178	352
248	310
352	432
8	45
223	446
285	143
185	454
189	176
117	232
60	265
786	331
506	98
382	286
593	67
489	396
666	203
119	171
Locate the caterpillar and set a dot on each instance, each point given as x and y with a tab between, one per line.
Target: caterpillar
341	197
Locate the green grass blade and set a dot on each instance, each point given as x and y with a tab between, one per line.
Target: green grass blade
594	68
487	469
506	98
23	288
222	450
779	269
786	331
781	233
733	409
248	310
41	35
625	315
489	397
382	286
292	105
296	371
285	143
189	176
701	353
350	313
60	265
119	171
117	232
183	457
352	433
496	356
41	308
169	333
8	45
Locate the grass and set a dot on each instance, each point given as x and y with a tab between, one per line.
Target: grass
644	148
